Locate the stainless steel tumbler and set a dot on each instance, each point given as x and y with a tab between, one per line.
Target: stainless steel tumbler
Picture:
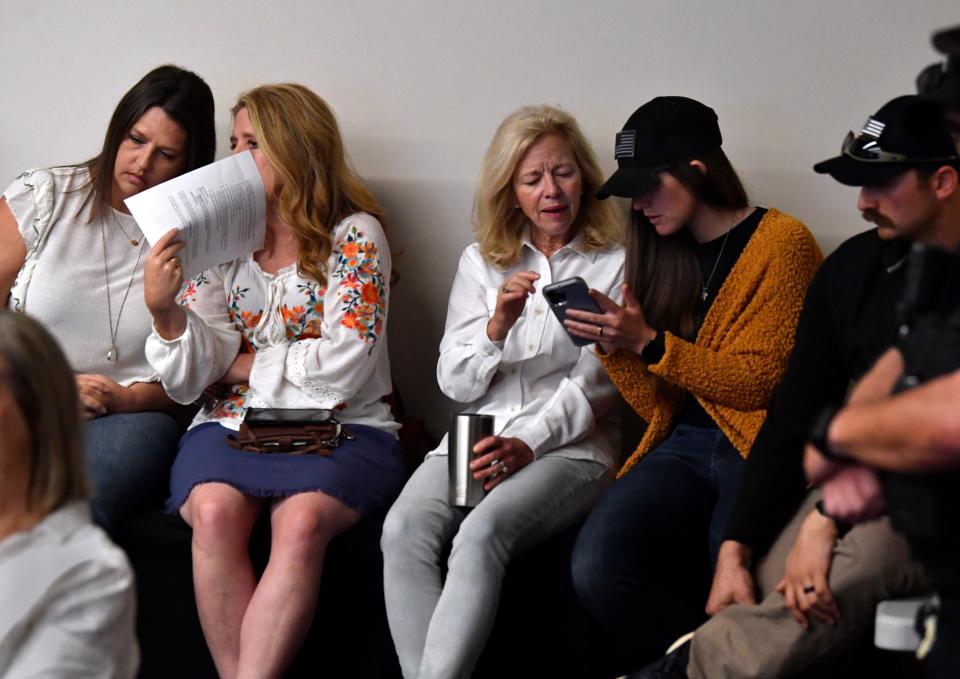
466	430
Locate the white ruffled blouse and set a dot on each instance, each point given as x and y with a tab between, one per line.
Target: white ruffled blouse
76	263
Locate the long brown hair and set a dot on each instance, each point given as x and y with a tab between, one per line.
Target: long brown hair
298	133
184	97
663	271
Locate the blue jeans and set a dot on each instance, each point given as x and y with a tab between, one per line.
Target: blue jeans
643	561
129	456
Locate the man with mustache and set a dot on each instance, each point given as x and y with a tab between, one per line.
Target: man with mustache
820	580
910	429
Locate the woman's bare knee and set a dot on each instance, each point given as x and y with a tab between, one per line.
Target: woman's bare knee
220	514
308	521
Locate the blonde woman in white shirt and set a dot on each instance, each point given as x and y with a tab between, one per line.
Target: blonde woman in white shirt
298	324
67	603
503	354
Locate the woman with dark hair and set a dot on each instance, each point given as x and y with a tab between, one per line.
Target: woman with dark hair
713	294
67	604
72	257
299	324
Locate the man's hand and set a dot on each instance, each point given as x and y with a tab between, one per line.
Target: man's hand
876	385
732	581
817	467
853	494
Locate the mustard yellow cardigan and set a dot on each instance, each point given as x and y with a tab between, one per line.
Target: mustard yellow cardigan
742	347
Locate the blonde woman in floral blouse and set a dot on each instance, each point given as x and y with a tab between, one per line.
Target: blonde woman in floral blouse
298	324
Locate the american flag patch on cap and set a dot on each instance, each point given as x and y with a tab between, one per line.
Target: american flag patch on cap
873	128
626	141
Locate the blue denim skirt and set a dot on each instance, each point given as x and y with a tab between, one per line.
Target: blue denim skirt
365	473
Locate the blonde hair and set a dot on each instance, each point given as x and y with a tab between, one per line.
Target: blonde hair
41	382
496	220
298	133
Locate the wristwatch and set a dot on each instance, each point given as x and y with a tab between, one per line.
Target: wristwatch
843	527
818	433
654	349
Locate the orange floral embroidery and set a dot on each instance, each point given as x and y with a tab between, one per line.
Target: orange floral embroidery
189	292
369	293
301	321
362	289
233	405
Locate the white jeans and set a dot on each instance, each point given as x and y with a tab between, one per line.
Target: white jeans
439	628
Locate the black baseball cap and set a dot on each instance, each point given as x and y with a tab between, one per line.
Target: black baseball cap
941	81
662	132
906	133
947	41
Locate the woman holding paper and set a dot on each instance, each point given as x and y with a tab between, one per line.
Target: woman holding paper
72	257
298	324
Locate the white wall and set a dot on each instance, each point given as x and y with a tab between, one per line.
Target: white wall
419	88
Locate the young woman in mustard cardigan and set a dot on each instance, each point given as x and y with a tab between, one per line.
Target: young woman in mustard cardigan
714	290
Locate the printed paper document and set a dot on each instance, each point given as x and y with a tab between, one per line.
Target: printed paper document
220	210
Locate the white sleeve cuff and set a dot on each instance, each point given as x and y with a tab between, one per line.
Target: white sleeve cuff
298	354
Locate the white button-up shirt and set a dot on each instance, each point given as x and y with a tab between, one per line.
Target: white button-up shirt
67	601
540	386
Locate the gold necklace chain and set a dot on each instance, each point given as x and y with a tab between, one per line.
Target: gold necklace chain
133	242
112	353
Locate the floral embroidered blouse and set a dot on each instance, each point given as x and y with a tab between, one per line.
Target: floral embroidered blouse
313	346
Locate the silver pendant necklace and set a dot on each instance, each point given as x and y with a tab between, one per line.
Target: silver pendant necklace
112	354
706	286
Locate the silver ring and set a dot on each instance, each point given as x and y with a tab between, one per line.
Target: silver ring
809	589
504	289
503	467
599	331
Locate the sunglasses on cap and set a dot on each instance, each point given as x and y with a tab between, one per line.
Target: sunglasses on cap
866	148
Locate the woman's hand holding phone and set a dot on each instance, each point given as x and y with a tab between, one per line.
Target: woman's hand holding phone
618	327
511	298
